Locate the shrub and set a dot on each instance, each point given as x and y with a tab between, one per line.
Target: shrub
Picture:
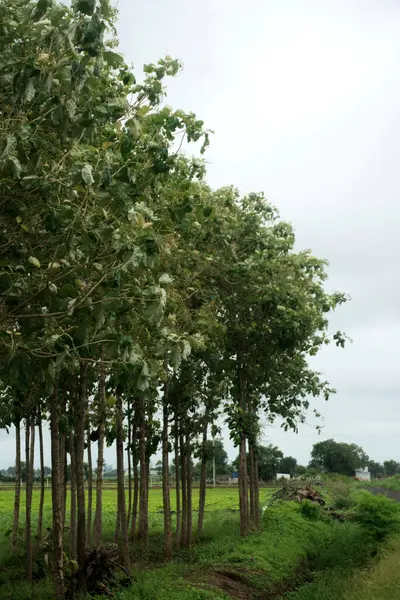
379	514
311	510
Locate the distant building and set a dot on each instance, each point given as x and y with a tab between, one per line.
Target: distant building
363	474
283	475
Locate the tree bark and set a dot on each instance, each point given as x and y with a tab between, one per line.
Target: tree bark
135	496
90	488
29	458
124	542
42	481
72	521
56	499
17	496
98	519
252	486
177	489
80	476
143	508
256	493
203	482
189	530
165	481
243	489
243	481
128	519
184	490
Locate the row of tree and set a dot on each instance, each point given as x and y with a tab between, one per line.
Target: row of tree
130	289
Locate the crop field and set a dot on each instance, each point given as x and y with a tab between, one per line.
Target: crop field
219	501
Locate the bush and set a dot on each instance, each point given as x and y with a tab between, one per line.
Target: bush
379	514
311	510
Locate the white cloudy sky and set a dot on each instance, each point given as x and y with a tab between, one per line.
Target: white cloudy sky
304	99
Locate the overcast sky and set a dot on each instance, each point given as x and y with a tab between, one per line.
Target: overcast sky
304	100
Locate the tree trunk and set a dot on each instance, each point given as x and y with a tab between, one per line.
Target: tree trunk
135	496
143	510
252	486
128	520
80	476
42	482
29	457
178	490
72	521
184	491
90	488
243	489
189	530
98	519
56	499
165	481
124	542
203	483
64	474
17	496
243	481
256	493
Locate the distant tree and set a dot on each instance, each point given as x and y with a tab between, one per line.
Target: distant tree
376	469
221	459
391	467
288	464
300	470
334	457
269	458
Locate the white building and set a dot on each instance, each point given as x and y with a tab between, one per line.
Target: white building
363	474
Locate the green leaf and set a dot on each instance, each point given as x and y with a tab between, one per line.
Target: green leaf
30	91
165	278
143	383
87	174
68	291
186	349
85	6
16	167
34	261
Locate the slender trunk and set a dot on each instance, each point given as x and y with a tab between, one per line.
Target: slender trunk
63	475
72	521
203	482
124	542
143	511
117	529
178	490
189	531
42	482
256	492
243	481
135	496
165	481
252	486
56	499
90	488
243	489
17	497
80	477
184	491
29	457
98	519
129	469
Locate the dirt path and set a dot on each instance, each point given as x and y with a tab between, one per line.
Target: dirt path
384	492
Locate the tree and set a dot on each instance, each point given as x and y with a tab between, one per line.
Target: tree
269	458
214	449
288	464
335	457
391	468
376	469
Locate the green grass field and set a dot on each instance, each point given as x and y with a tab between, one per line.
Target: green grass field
293	557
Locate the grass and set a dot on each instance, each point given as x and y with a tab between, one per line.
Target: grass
293	547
